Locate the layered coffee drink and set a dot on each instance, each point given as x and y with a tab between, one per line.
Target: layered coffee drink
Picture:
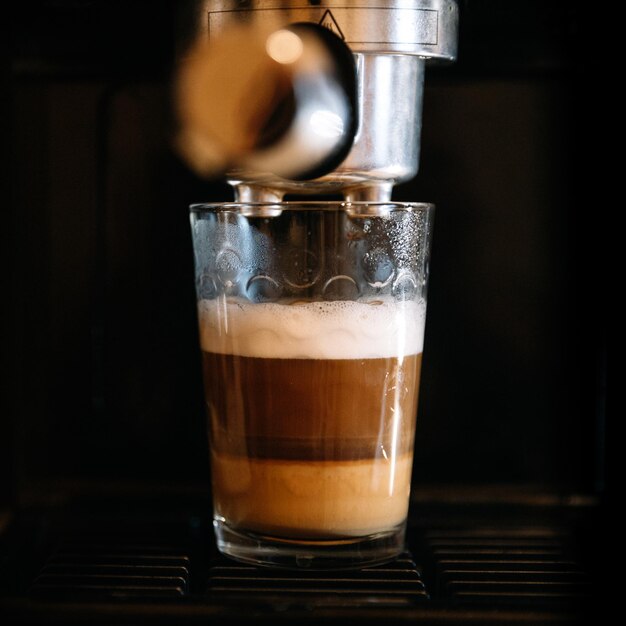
311	414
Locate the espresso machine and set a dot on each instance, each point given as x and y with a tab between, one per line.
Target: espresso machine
105	494
343	116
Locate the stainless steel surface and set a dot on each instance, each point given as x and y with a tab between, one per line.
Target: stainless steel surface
386	147
391	41
424	27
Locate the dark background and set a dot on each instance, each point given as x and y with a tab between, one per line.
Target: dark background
100	346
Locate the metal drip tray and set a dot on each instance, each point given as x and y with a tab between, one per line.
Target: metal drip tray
394	583
114	571
507	568
141	567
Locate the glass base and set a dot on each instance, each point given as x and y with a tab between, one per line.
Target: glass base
299	554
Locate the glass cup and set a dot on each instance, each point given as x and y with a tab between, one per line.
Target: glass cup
311	322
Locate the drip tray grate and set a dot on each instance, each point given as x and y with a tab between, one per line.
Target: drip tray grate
398	582
512	567
110	570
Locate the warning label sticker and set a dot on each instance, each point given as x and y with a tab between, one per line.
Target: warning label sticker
328	21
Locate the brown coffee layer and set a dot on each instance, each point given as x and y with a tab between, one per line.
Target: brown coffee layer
311	409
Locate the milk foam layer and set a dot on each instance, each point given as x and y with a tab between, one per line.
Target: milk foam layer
312	330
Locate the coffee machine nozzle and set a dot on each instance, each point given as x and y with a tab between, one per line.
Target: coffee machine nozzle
321	97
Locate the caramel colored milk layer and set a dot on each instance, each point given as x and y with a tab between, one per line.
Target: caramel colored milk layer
316	500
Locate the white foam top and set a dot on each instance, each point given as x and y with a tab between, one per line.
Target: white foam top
312	330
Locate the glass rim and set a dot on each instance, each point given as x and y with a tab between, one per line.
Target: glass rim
363	208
